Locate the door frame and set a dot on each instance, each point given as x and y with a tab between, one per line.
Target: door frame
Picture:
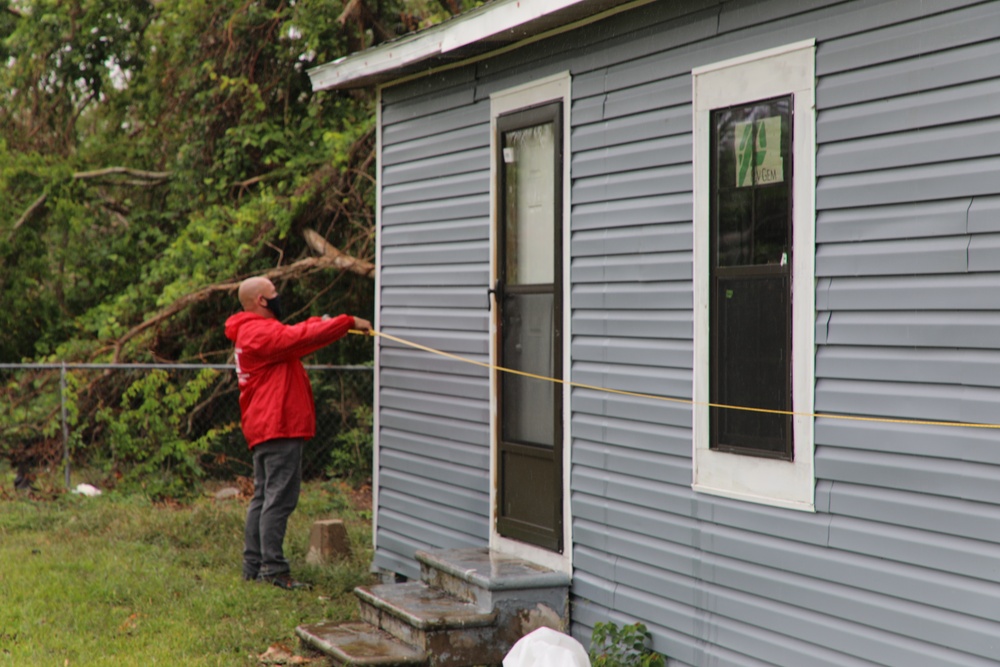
555	88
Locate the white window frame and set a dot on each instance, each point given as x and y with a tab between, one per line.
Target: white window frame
786	70
555	88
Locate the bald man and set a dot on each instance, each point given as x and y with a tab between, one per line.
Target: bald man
278	416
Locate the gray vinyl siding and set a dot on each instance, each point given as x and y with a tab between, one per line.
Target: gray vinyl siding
900	564
433	442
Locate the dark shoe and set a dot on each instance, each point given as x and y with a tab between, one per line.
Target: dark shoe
249	577
286	582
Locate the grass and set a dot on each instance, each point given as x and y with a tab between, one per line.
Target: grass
117	580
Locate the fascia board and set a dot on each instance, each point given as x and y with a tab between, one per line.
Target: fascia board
499	19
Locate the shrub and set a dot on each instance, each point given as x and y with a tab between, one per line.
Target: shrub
611	646
149	452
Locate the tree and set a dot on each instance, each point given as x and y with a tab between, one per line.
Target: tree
155	152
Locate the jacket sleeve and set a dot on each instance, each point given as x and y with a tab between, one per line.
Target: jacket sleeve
280	341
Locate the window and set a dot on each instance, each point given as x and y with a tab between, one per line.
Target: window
754	151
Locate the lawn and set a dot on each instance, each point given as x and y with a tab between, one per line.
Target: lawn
117	580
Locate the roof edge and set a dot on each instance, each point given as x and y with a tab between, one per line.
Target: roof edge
486	28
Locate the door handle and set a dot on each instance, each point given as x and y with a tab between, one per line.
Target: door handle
496	291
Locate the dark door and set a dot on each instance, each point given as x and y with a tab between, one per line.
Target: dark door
529	297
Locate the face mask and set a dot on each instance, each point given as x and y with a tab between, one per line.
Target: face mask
274	305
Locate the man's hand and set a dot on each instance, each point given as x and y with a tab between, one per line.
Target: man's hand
362	324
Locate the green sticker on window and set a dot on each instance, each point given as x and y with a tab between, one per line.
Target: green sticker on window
768	167
729	294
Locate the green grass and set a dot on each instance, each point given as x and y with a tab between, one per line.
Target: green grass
115	580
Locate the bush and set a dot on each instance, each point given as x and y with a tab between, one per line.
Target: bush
611	646
149	454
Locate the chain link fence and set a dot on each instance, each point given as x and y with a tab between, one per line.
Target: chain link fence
162	426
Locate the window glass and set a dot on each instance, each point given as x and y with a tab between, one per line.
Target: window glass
529	187
753	183
751	297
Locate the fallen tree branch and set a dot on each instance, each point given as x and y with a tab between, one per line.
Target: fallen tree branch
331	258
138	178
35	207
141	176
339	259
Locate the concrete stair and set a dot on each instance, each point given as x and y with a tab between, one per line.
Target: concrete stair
467	610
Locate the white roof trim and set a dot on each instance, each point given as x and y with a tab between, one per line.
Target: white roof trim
493	25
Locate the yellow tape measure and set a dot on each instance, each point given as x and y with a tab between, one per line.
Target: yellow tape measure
669	399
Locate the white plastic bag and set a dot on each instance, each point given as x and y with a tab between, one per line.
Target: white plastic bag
546	647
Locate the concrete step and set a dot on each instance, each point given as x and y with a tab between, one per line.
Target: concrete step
452	631
490	580
470	608
359	645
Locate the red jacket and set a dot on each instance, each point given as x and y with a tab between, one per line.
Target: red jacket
276	399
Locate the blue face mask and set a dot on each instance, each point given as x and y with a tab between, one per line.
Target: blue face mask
274	305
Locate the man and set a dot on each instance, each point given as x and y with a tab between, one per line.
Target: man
278	416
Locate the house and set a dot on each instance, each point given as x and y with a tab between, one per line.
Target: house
791	205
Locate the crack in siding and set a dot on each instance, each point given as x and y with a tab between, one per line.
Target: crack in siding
829	514
968	234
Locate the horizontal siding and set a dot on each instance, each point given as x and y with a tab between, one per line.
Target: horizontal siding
459	208
439	383
961	291
910	364
434	411
944	442
898	564
457	520
911	39
433	490
957	104
464	145
670	414
440	183
962	329
456	319
652	380
400	179
907	400
913	147
934	255
638	323
634	351
435	405
631	240
607	434
914	509
910	220
631	185
963	64
433	425
949	479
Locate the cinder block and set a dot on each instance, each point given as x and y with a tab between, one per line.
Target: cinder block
327	541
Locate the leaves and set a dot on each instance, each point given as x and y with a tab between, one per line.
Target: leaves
626	646
153	153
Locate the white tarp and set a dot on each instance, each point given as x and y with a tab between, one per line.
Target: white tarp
546	647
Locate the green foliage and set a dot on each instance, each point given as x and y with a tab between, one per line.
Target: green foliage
151	153
351	456
147	447
627	646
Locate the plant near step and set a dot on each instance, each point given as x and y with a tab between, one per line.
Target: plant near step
628	646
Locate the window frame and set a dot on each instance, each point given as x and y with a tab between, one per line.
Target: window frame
783	71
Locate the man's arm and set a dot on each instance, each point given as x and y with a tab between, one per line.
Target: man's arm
276	340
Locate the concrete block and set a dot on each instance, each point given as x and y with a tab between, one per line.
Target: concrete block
327	541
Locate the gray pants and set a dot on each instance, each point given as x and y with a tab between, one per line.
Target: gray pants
277	478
